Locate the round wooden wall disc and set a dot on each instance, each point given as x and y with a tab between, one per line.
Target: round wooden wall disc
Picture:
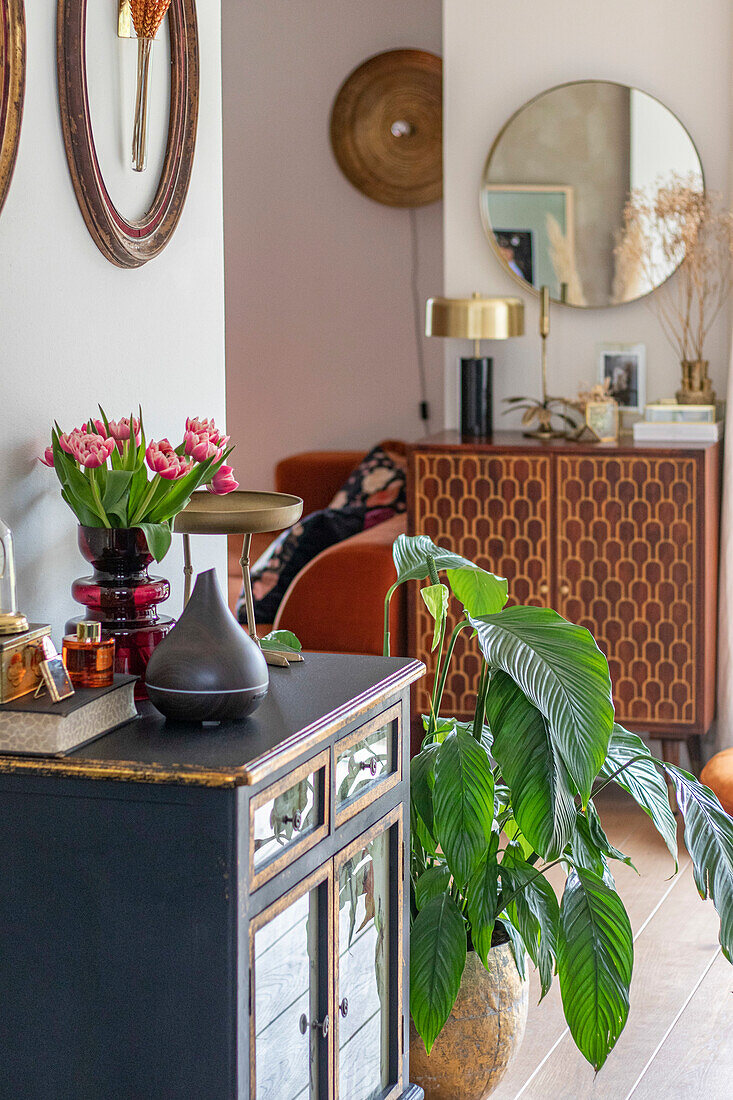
387	128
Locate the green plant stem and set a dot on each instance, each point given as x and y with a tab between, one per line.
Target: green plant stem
538	874
98	500
436	680
634	759
387	600
446	664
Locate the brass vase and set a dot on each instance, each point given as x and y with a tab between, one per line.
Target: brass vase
696	386
480	1037
140	131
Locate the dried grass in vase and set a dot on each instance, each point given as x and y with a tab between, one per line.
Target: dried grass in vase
147	15
678	227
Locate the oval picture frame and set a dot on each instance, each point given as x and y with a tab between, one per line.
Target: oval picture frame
12	90
124	242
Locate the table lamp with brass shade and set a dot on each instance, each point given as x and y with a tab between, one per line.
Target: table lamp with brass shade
476	319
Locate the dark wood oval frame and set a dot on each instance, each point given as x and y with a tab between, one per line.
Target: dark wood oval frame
126	243
12	89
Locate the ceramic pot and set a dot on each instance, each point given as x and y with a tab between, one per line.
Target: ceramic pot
481	1036
696	386
208	668
122	596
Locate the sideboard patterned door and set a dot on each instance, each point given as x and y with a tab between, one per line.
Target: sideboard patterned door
629	573
495	511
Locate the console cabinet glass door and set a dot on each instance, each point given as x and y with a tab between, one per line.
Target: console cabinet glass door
368	920
289	1026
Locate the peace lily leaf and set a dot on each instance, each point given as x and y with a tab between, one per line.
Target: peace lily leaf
281	639
531	766
517	945
600	839
435	597
421	783
480	592
582	849
709	840
463	800
431	884
482	898
534	911
517	838
437	959
595	956
421	834
410	554
443	726
643	782
159	538
562	671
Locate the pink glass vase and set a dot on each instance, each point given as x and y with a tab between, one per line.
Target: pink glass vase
122	596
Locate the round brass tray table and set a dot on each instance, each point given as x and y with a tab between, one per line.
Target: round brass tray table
247	512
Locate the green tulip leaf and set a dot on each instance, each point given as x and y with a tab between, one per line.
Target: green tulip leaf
437	959
563	673
159	538
709	840
463	801
595	956
532	767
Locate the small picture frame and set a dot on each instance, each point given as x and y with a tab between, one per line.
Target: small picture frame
624	365
601	418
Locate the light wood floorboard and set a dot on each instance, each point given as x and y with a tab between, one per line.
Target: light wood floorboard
678	968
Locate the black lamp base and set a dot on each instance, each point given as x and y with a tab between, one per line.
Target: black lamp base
476	397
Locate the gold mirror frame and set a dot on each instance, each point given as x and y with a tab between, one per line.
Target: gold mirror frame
124	242
12	70
488	230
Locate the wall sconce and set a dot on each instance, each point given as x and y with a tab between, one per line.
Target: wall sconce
145	16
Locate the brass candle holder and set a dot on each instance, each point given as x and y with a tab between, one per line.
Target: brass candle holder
544	410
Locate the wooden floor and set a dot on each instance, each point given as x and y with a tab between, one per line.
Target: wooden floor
678	1041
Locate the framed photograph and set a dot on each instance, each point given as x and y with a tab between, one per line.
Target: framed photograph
624	366
518	219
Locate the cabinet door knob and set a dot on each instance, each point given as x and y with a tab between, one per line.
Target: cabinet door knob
344	1007
323	1026
370	765
564	589
296	818
544	588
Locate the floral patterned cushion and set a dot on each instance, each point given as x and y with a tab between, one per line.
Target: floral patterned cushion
373	493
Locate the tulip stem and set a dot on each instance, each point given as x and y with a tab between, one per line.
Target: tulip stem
155	482
98	499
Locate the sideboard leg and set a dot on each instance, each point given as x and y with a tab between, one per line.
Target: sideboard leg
694	748
671	752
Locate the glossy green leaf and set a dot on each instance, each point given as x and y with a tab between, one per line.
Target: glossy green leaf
281	639
435	597
480	592
159	538
516	943
463	801
583	851
431	884
561	670
531	766
437	959
410	554
643	781
709	840
534	912
595	956
422	768
482	898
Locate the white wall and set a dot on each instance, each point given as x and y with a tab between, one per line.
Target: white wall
497	56
320	338
76	330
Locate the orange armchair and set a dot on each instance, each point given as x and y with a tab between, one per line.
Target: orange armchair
336	603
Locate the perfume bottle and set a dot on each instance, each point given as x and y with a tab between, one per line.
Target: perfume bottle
88	657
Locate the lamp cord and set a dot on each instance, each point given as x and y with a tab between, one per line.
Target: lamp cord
417	319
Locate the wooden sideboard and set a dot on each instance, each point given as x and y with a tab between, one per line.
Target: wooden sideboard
215	913
619	538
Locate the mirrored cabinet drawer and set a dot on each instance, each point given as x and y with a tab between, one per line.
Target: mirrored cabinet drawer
367	763
288	818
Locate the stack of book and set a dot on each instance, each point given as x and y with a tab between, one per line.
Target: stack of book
37	725
669	422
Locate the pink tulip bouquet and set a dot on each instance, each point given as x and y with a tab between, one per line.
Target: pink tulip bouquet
110	476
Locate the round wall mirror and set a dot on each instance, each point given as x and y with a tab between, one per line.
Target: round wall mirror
558	178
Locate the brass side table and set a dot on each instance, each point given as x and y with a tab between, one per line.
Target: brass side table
247	512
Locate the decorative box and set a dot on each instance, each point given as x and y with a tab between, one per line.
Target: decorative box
20	658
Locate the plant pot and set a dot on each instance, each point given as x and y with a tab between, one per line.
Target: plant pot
696	386
480	1037
122	596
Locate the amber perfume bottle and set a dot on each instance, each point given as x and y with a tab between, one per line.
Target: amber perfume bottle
89	658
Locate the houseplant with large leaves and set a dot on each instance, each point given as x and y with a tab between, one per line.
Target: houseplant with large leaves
497	802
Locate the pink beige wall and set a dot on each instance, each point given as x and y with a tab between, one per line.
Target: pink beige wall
320	338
